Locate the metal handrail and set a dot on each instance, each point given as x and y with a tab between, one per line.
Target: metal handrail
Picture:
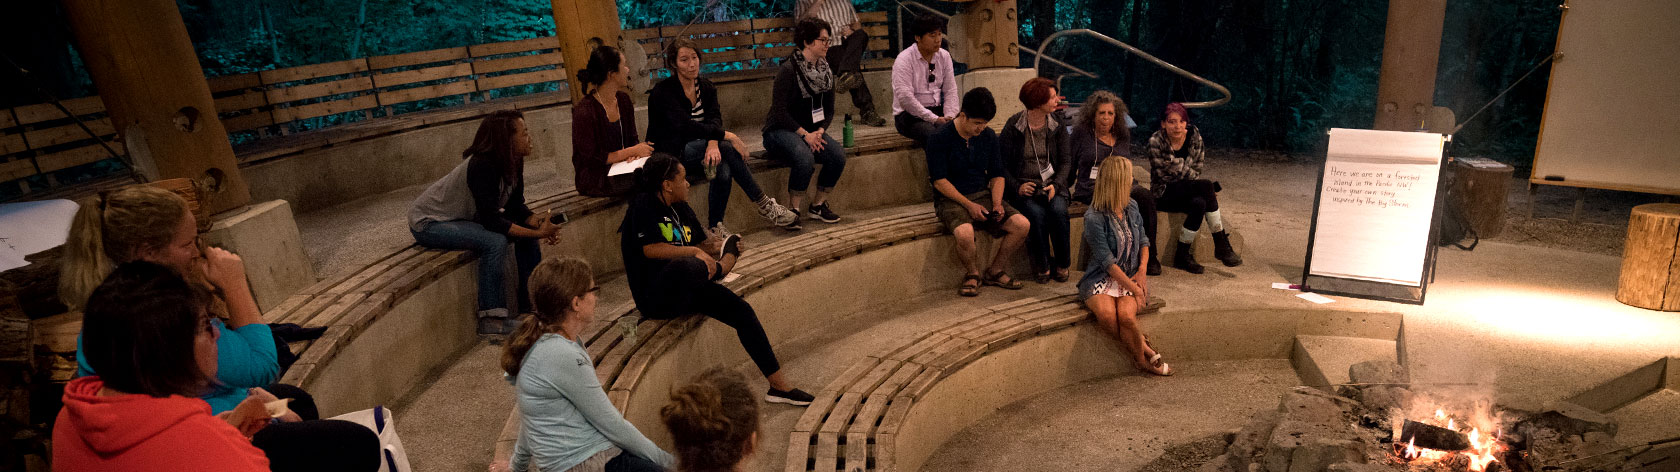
1138	52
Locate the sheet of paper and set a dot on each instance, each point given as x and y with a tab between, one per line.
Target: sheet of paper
1375	205
731	277
626	166
1285	286
1315	298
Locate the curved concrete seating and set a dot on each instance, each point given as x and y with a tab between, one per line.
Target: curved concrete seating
893	409
415	304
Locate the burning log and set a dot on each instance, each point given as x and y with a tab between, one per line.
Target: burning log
1433	437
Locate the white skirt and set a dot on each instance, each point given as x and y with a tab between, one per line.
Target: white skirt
1113	288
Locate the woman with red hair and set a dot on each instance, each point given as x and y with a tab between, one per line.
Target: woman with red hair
1037	169
1176	157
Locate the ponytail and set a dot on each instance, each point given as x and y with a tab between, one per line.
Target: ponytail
553	284
712	421
604	60
650	177
113	228
84	264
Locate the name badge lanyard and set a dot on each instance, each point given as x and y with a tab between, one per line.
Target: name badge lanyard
1044	171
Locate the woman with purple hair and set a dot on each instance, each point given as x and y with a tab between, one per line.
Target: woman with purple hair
1176	157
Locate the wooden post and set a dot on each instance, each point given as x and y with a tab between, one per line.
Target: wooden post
1411	51
148	75
990	34
582	25
1651	258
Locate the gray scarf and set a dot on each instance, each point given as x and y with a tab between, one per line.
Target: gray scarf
814	77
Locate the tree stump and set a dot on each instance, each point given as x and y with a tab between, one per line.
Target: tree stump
1651	259
1483	183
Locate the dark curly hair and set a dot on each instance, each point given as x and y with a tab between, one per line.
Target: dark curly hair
712	421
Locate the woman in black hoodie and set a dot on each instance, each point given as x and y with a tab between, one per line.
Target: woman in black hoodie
686	121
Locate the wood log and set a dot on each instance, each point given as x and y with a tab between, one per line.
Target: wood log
1429	436
1483	184
1651	258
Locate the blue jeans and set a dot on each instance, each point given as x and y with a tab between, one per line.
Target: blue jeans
786	145
733	166
492	258
1047	241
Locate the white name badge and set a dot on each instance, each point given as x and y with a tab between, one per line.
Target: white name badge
1095	171
817	114
1047	172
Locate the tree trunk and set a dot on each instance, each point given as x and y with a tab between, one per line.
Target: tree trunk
361	24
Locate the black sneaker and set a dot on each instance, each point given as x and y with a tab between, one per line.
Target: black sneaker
792	226
821	212
795	397
731	245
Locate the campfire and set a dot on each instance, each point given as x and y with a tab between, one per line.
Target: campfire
1383	422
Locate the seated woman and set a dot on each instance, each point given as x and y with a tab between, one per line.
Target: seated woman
480	207
1098	134
672	266
604	126
1115	286
148	333
565	420
713	422
1037	169
796	130
1176	157
686	120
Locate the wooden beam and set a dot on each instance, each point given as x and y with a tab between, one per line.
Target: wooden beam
148	76
1411	50
580	23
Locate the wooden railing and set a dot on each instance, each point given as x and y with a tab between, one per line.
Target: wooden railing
260	110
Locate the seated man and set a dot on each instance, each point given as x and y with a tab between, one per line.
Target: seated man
924	82
967	174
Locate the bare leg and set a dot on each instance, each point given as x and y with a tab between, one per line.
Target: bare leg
1016	236
822	196
1125	312
778	382
965	247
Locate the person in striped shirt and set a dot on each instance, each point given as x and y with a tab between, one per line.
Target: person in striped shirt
850	42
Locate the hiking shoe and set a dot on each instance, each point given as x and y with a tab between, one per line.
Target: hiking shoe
795	397
847	81
719	231
822	212
871	118
775	213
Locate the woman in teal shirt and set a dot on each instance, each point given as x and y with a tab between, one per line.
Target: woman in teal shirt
566	422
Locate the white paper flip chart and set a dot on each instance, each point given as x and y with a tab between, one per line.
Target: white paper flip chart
1375	205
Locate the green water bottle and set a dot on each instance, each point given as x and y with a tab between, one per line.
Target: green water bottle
848	132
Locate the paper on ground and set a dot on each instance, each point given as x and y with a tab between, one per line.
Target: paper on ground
731	277
1283	286
626	166
1315	298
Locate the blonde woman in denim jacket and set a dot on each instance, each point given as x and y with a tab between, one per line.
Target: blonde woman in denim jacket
1116	285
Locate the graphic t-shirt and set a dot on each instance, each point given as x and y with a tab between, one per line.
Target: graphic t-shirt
650	221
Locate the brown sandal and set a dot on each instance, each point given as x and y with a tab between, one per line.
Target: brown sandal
998	280
968	289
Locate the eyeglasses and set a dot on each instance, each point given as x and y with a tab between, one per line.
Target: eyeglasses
930	72
594	288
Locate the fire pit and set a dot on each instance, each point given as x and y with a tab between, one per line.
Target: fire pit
1383	422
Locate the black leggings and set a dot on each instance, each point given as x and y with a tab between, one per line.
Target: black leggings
1193	198
1146	208
627	462
315	444
685	289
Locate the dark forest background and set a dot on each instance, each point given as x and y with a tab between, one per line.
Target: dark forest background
1294	67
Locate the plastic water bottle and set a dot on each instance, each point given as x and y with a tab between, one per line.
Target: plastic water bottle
848	131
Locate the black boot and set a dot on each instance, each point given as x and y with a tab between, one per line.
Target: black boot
1222	250
1154	264
1185	259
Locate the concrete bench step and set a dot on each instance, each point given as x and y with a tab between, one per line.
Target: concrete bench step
1324	360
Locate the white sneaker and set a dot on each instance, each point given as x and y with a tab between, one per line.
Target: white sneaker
719	231
775	213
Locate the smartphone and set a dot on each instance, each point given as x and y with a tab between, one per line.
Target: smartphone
559	218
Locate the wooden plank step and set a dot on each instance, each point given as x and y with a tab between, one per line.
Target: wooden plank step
329	314
921	345
870	415
799	451
610	365
841	416
662	341
365	313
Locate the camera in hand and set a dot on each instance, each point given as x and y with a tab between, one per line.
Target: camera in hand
559	218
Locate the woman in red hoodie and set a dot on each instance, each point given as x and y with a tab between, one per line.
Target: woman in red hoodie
146	332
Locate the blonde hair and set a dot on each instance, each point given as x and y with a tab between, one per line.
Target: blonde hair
712	421
110	229
1114	185
554	284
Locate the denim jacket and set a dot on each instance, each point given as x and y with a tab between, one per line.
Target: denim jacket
1103	233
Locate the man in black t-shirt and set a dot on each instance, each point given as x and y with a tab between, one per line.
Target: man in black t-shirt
966	170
